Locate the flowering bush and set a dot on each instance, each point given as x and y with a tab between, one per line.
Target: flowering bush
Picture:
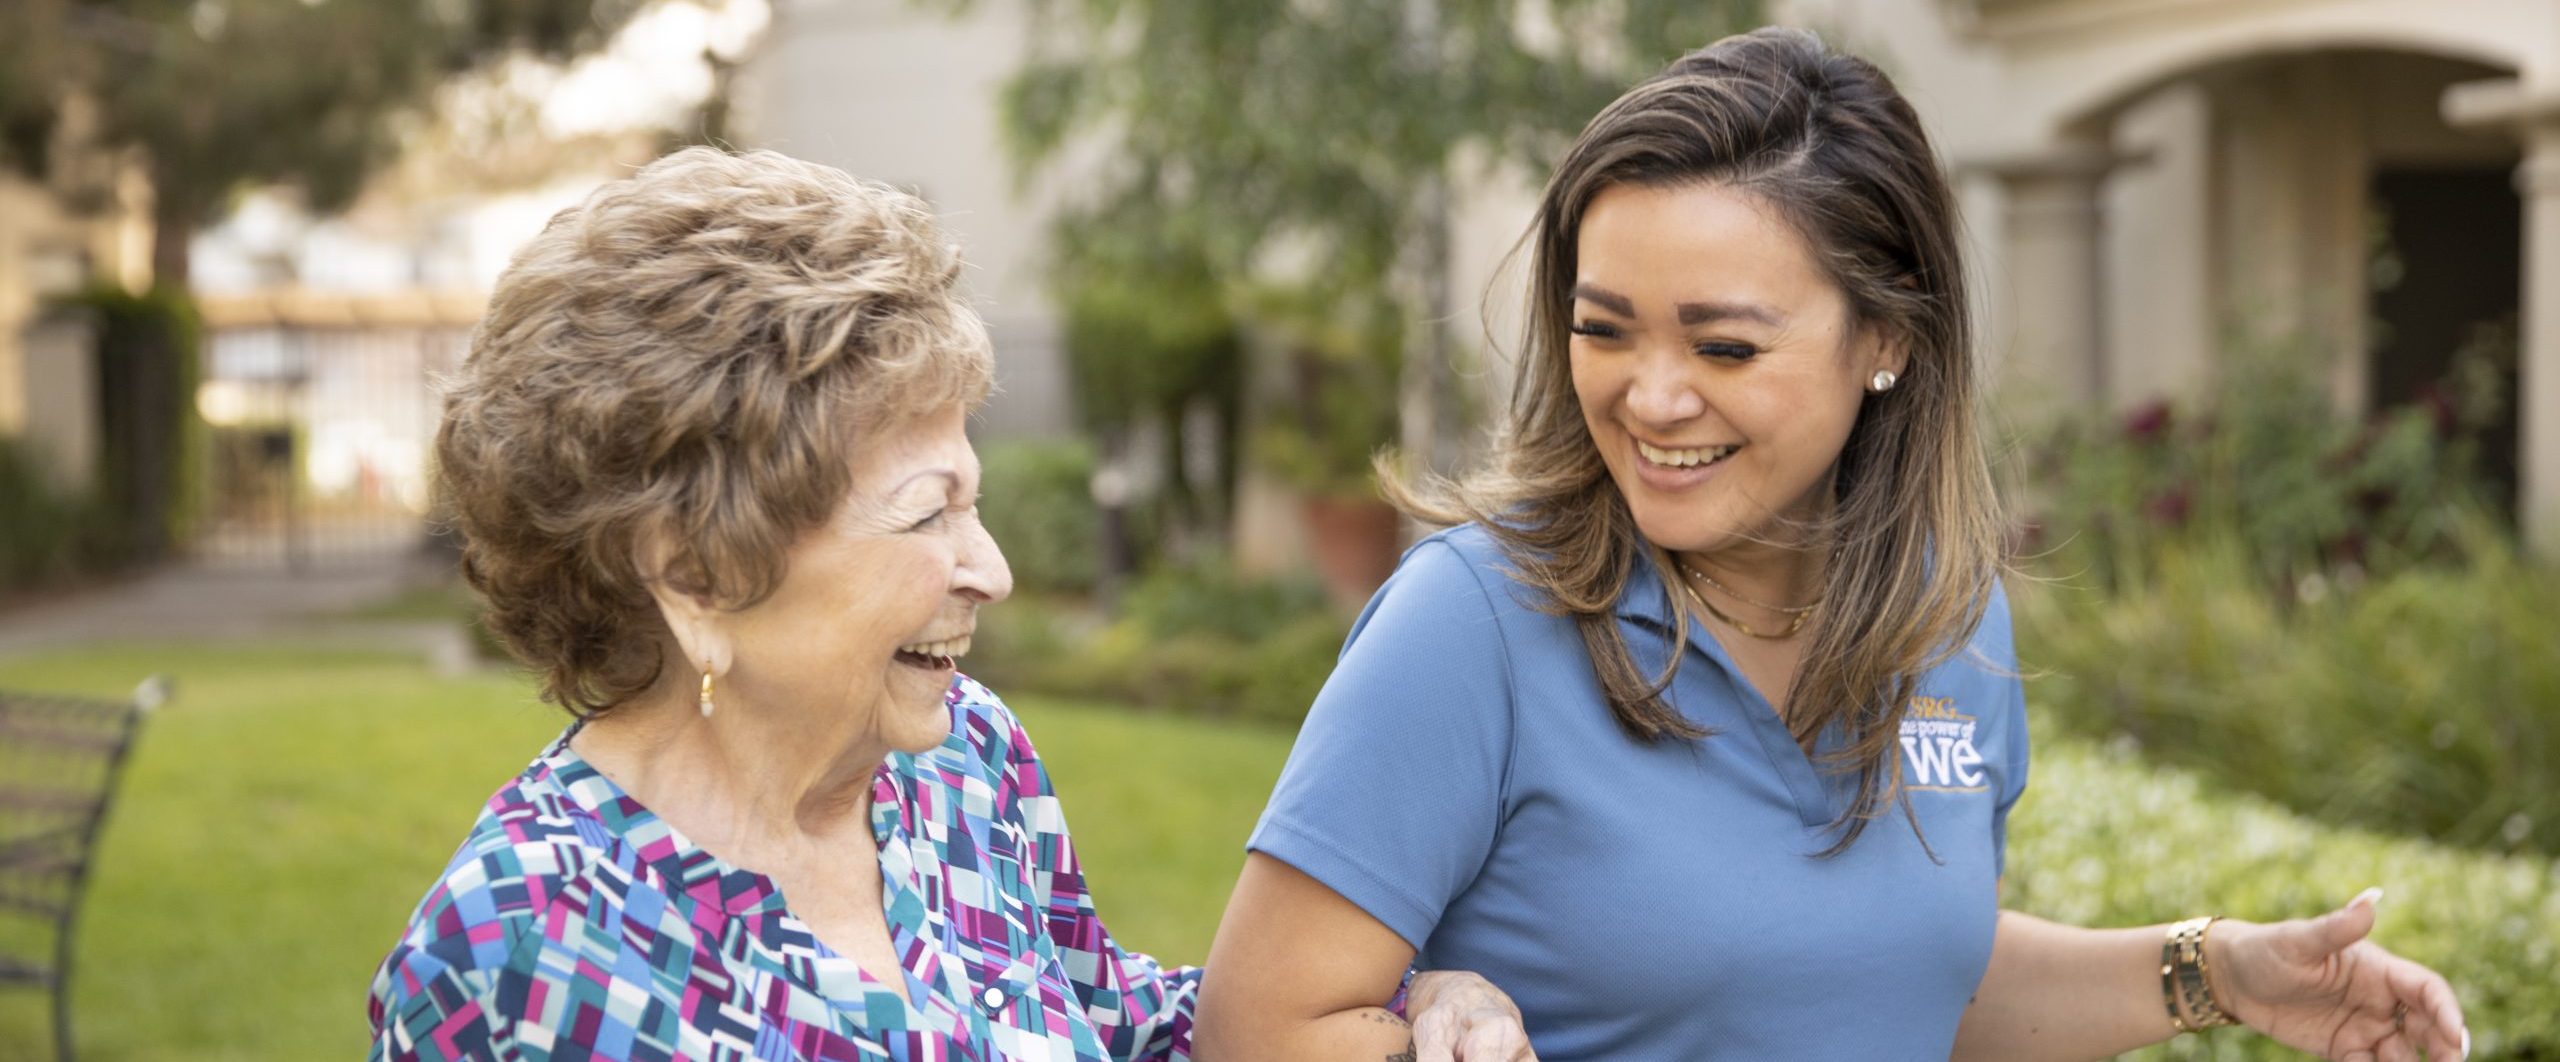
2103	839
2270	463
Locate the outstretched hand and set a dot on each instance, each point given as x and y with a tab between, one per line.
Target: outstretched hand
2317	985
1460	1017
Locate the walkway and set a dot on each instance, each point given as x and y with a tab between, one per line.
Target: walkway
197	602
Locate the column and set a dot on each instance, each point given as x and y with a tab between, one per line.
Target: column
2535	119
2055	223
2538	390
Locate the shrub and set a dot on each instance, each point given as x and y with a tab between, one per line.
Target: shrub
2104	840
150	438
1195	640
2425	701
1037	500
1209	597
2270	464
45	534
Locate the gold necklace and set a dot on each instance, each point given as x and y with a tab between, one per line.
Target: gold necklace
1793	625
1792	610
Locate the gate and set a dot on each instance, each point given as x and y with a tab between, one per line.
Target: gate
320	412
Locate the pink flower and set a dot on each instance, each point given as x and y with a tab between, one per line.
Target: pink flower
2170	508
2149	423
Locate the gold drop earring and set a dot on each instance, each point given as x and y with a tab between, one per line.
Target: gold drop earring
705	703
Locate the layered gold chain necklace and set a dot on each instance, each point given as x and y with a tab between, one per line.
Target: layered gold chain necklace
1796	614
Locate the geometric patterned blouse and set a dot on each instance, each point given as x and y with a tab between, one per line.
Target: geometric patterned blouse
574	924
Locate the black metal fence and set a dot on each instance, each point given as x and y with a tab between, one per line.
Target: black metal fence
317	440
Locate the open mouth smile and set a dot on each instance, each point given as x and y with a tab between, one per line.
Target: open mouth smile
943	655
1685	458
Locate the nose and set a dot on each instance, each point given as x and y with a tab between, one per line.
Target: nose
1663	390
983	574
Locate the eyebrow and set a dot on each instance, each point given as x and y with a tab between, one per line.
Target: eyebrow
1691	313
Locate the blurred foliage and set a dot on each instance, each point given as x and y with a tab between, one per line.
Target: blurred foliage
2271	464
2103	838
1149	343
1245	127
150	351
1212	599
1037	500
1218	149
217	95
1147	330
2323	610
2425	701
145	491
1337	406
46	534
1194	639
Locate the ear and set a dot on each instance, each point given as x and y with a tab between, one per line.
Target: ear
1883	348
701	627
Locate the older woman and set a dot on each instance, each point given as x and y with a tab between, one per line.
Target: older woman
709	461
1700	734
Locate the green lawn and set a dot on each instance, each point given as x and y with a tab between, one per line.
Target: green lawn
281	817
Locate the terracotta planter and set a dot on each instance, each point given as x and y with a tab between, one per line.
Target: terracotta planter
1355	542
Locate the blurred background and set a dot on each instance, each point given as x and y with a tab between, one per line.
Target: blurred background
2270	295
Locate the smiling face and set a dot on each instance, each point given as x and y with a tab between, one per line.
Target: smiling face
877	604
1719	371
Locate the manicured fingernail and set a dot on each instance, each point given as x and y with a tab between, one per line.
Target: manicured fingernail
2466	1044
2368	896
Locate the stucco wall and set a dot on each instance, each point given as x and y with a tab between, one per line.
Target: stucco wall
893	90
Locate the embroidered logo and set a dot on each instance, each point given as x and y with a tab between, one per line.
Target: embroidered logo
1937	749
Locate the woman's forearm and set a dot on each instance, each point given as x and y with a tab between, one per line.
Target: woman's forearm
1365	1034
2061	992
1296	972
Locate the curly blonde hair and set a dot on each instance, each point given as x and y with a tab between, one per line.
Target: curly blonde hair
684	360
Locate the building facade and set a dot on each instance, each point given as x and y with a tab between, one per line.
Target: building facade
56	239
2147	184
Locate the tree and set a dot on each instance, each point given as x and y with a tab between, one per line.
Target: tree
1256	133
216	95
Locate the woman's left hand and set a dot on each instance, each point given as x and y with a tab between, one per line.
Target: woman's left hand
2316	984
1460	1017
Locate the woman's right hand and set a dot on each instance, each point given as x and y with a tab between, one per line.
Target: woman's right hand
1461	1017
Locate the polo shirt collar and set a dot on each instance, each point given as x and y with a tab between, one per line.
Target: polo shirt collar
1646	598
1818	800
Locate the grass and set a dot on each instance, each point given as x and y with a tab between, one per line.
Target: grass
1160	807
282	816
277	822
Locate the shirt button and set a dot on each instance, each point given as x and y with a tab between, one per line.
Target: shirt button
990	998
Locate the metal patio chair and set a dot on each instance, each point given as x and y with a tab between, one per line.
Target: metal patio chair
60	758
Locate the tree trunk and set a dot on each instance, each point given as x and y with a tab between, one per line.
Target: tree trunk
1429	408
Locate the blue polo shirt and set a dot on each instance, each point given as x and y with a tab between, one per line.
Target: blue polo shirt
1461	779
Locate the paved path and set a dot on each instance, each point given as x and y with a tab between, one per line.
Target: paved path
193	602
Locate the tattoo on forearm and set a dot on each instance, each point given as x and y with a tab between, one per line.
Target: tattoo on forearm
1384	1018
1405	1055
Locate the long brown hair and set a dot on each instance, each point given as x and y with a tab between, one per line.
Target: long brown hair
1914	527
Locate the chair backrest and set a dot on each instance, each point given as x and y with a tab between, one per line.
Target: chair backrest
60	758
